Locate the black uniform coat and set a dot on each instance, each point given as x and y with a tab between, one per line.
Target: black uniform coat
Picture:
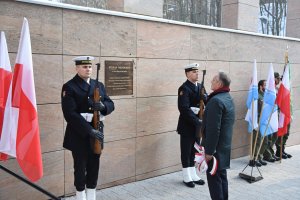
76	98
218	125
188	96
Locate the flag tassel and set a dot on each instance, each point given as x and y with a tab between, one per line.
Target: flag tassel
30	183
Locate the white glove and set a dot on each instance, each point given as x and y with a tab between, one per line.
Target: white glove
195	110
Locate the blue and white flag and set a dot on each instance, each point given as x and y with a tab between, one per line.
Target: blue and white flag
269	106
251	116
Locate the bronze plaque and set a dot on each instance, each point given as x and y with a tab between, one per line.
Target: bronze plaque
119	77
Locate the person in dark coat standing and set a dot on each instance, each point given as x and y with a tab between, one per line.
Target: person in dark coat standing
218	126
78	106
189	123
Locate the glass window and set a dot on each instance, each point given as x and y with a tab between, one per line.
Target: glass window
272	17
206	12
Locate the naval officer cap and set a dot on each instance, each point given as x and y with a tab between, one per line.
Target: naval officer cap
191	67
83	60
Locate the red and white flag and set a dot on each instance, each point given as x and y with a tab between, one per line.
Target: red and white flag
8	115
28	148
283	101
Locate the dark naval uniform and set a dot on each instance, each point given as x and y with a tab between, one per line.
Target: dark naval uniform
77	98
188	124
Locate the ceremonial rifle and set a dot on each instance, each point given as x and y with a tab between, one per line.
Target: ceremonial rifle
97	144
201	105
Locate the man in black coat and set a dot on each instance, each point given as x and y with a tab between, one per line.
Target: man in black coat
189	123
78	107
218	126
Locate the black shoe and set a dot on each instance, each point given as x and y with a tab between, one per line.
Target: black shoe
189	184
251	163
262	162
257	164
276	158
283	155
200	182
269	159
288	155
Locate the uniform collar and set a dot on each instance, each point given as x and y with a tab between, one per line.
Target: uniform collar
82	83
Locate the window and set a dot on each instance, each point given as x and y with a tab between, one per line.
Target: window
206	12
272	17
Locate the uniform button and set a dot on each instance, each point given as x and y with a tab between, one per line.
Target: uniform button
90	108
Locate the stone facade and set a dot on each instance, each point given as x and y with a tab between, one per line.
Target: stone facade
141	139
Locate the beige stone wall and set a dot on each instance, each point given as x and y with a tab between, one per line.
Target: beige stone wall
293	19
240	14
141	141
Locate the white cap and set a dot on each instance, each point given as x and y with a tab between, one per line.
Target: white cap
83	60
191	67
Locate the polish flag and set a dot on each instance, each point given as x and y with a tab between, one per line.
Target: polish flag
284	102
7	137
28	148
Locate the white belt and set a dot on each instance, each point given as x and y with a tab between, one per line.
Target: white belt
89	117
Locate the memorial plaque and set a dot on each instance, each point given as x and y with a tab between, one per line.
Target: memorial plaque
119	78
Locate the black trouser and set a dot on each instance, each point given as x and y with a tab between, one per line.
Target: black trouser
86	167
218	185
284	139
187	151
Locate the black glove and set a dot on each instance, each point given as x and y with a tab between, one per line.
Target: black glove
97	134
98	106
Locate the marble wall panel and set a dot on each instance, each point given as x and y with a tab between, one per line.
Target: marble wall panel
273	50
156	152
296	98
47	71
241	74
229	15
117	35
293	10
293	51
240	99
118	161
295	74
156	115
245	47
52	180
117	5
240	137
248	16
294	139
209	45
51	127
122	123
45	26
160	40
227	2
293	28
240	152
159	77
295	126
144	7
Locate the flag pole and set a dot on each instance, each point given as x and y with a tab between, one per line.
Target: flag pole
262	107
251	141
286	61
29	183
265	131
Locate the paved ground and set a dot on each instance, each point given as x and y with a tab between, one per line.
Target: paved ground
281	181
